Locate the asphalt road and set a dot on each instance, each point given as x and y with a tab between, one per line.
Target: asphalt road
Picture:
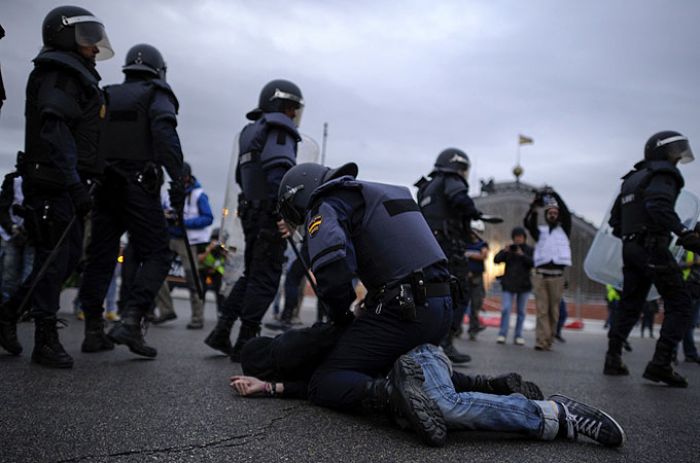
115	407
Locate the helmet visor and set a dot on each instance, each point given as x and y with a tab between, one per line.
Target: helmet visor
677	149
297	115
286	206
89	32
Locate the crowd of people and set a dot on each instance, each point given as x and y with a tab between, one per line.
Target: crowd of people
92	171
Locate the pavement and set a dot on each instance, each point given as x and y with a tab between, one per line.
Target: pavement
116	407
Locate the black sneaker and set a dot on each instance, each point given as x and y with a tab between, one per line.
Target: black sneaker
665	374
410	401
589	421
614	366
131	336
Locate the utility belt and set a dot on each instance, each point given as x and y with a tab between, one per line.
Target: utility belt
149	177
648	240
44	176
549	273
259	204
408	293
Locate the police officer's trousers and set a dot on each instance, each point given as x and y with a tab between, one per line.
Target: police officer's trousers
124	206
264	256
643	266
369	348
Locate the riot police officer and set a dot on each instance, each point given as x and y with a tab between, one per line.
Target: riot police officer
643	217
139	137
63	111
267	149
363	229
448	209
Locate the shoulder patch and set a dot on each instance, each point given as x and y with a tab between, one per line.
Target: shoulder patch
315	225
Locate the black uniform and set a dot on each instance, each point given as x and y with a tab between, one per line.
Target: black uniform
644	217
139	137
63	110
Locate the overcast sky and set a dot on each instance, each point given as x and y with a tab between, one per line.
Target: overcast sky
399	81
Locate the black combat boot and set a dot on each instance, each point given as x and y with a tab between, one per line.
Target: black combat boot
511	383
247	332
128	332
407	399
220	337
8	330
614	366
48	351
451	351
95	338
578	418
660	369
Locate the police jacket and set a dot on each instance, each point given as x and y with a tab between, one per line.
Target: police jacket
444	201
267	150
141	125
370	230
516	277
647	200
63	111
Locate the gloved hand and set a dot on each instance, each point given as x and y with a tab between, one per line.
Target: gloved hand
81	199
690	240
177	196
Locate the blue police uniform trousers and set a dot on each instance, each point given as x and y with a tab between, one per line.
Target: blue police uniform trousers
370	346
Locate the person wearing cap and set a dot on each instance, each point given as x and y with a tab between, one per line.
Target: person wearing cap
551	256
644	217
516	283
64	110
139	139
267	150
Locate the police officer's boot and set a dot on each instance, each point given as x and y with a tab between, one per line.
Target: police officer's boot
8	329
128	332
510	383
220	337
403	397
48	351
247	332
614	366
660	369
95	338
451	351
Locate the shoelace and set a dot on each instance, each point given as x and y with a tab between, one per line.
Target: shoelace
587	426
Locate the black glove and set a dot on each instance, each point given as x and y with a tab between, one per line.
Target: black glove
690	240
81	199
177	196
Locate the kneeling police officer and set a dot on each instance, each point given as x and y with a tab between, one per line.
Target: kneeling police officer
643	216
364	229
139	138
63	111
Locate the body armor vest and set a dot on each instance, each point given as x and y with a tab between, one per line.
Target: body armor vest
82	114
436	209
394	239
634	216
127	131
269	142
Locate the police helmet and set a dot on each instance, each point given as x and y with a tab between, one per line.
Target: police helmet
277	96
145	58
69	27
300	182
668	146
452	160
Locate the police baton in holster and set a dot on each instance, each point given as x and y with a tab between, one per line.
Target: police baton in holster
49	260
190	257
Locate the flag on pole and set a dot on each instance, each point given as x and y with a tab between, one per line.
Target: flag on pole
523	140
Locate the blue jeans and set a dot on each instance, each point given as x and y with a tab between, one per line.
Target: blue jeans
17	262
478	411
507	302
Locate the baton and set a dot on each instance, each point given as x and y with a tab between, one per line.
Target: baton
49	260
190	258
